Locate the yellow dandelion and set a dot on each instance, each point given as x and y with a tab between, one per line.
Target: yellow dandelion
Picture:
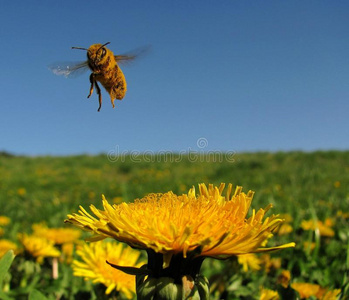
284	278
57	235
323	227
21	191
337	184
179	232
267	294
6	245
309	246
344	215
249	261
285	229
94	267
305	290
4	220
171	224
38	247
275	263
91	195
270	263
287	218
117	200
326	294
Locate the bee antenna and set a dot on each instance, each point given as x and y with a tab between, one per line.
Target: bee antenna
103	46
79	48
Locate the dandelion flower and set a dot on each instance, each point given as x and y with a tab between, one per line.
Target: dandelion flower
167	223
344	215
6	245
21	191
94	267
270	263
4	220
179	231
267	294
38	247
305	290
326	294
323	227
284	278
57	235
249	261
309	246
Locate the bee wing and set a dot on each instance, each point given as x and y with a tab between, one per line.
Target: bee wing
131	55
69	69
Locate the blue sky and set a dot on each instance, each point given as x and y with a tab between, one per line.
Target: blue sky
242	75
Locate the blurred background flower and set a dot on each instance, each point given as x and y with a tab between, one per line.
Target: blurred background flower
93	265
38	247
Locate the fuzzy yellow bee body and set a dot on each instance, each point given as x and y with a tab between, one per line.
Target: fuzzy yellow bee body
105	69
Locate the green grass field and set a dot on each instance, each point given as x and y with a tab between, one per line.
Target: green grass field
307	186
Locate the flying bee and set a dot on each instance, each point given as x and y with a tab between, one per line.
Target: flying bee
105	69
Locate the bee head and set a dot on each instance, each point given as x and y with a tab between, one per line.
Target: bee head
95	53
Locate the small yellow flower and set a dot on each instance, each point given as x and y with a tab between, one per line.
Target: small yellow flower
344	215
38	247
249	261
270	263
285	229
117	200
326	294
57	235
287	218
269	295
284	278
309	246
324	227
94	267
4	220
6	245
337	184
91	195
171	224
305	290
21	191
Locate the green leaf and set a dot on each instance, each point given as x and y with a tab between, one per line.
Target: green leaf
5	263
36	295
3	296
131	270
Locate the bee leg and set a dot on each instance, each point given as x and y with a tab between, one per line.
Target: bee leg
92	80
99	95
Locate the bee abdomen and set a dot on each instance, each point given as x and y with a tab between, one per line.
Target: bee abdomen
114	82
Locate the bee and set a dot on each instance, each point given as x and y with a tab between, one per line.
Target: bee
105	69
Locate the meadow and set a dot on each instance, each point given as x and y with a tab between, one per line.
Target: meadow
301	186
